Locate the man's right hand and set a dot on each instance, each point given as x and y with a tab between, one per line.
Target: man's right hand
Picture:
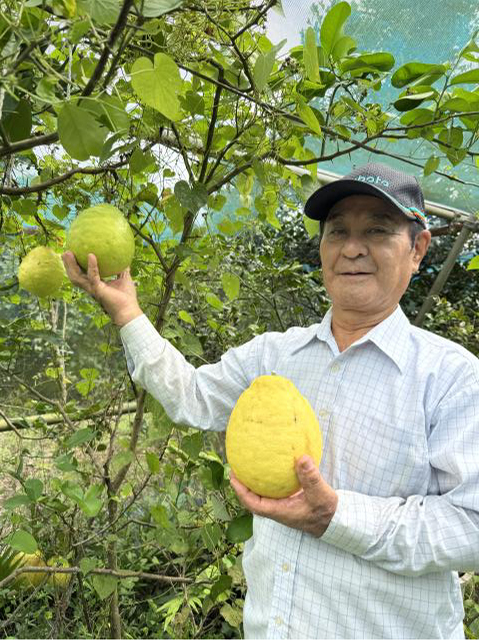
117	297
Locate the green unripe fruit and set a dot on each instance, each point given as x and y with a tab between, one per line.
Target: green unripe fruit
104	231
41	272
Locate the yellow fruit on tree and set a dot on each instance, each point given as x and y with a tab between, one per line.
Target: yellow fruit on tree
59	579
104	231
32	579
270	427
41	272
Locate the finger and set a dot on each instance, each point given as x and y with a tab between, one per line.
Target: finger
93	272
74	271
309	476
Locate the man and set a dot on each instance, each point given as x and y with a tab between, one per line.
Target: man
371	545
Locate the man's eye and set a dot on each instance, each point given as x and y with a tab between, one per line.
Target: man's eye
336	231
378	230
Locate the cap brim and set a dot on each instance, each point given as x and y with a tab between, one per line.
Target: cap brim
320	202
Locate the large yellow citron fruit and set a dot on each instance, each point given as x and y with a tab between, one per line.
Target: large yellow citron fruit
270	427
41	272
59	579
32	560
104	231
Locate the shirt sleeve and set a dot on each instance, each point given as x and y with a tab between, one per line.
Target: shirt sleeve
200	397
423	534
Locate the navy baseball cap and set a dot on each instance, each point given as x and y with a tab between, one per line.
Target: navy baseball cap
375	179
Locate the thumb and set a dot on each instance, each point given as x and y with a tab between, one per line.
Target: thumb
308	475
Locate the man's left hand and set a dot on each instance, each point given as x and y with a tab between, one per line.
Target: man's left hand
311	509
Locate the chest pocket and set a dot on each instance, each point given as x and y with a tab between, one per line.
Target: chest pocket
379	458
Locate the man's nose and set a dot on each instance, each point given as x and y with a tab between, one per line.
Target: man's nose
354	246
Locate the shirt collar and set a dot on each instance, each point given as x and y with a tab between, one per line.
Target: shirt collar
391	336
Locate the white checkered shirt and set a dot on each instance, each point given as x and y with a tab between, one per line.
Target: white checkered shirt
399	411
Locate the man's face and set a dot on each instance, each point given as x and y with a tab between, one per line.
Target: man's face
366	254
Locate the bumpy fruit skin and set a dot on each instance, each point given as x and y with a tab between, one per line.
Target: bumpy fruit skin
41	272
270	427
104	231
59	579
32	560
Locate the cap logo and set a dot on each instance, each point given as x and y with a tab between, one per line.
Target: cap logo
373	180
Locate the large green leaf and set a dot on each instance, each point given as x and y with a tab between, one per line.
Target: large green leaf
231	285
413	97
17	122
412	71
101	11
332	26
23	541
240	528
380	61
158	84
79	132
469	77
156	8
262	69
310	55
104	585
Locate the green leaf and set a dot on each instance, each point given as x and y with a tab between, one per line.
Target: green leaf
263	68
343	46
79	132
185	316
191	198
220	586
417	116
156	8
231	285
192	444
160	515
158	84
104	585
139	161
33	488
153	462
307	115
103	11
18	121
469	77
311	226
232	615
473	264
412	97
431	165
240	528
332	26
88	564
79	437
23	541
379	61
20	500
217	201
91	503
412	71
310	55
213	300
219	509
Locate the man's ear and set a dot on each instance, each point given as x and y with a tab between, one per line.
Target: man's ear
421	245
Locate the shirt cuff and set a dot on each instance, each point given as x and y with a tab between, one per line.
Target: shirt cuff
354	525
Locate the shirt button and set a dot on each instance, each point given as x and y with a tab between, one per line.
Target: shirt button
335	368
323	413
278	620
285	567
